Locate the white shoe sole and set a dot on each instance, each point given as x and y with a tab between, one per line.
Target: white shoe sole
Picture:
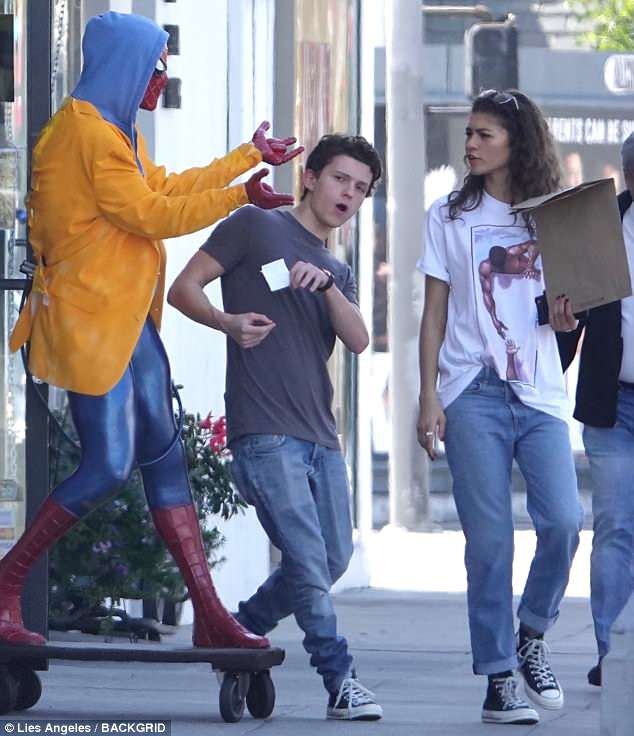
521	716
542	702
362	713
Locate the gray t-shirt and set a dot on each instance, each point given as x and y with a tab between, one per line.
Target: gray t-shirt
282	385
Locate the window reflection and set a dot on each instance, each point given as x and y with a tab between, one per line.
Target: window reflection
13	163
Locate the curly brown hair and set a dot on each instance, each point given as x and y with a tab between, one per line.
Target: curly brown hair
534	168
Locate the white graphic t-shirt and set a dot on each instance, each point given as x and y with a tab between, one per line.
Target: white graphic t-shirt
493	268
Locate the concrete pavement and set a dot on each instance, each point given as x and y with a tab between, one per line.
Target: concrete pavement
411	649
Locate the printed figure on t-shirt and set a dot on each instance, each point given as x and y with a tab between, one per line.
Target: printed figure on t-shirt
505	271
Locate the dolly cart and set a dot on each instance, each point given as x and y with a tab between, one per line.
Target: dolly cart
246	673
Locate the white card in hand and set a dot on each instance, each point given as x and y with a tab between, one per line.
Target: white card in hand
276	274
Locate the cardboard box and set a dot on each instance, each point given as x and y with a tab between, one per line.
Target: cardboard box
580	239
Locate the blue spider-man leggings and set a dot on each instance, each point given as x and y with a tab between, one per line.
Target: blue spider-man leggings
133	422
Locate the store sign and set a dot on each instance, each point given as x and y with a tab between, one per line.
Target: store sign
590	130
618	74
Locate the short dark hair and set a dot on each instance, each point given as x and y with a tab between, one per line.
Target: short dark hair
627	154
336	144
497	256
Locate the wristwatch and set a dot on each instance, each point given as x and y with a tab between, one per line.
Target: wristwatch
329	283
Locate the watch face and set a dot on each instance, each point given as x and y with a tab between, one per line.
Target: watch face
329	283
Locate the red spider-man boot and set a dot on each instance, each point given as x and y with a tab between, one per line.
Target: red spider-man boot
214	626
51	522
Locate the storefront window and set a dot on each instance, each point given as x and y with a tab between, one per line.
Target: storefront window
13	169
67	21
69	17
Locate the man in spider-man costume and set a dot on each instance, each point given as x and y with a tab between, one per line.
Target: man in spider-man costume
98	210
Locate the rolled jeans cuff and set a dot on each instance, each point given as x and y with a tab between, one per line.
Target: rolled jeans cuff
532	620
492	668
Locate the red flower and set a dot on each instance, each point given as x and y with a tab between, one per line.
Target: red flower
217	432
206	423
217	443
219	426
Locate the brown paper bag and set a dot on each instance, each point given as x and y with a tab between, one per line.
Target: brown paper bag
580	238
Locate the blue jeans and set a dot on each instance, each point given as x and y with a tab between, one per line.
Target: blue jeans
301	495
488	427
611	456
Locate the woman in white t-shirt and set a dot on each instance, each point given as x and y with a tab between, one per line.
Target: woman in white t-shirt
492	388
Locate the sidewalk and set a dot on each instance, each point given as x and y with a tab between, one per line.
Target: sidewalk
411	649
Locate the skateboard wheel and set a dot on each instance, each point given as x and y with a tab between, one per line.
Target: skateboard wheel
8	690
261	695
29	686
232	694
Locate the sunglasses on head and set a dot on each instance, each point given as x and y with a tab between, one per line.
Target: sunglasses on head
160	68
500	98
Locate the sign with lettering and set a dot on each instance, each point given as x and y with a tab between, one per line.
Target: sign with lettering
590	130
618	74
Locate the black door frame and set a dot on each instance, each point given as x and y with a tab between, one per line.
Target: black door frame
38	76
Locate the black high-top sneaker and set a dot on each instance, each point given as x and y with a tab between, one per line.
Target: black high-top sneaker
353	702
541	685
503	703
594	675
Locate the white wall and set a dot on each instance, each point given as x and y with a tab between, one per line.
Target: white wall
219	106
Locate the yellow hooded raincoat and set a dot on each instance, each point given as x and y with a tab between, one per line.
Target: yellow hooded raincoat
96	224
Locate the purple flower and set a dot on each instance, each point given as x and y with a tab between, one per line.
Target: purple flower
101	547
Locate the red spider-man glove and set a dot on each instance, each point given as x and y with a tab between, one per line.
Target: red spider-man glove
274	150
264	196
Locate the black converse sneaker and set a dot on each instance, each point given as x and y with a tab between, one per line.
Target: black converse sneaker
353	702
594	675
503	703
541	685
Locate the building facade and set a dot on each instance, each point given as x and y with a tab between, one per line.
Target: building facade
233	63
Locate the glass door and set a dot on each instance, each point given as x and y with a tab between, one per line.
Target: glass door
13	174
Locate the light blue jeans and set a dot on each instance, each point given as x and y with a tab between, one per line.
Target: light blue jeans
301	495
488	427
611	456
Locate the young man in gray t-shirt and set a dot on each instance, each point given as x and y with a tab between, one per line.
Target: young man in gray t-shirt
286	300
